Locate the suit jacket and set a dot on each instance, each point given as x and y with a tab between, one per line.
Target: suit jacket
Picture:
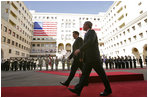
91	48
76	45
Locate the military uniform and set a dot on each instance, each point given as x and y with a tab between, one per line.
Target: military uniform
56	63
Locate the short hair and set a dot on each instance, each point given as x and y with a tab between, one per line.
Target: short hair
89	24
76	32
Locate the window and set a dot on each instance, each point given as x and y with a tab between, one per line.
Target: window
133	27
121	17
34	38
19	45
141	12
6	10
38	45
33	45
141	35
145	20
120	10
13	34
139	24
10	51
5	29
118	3
12	42
16	44
124	33
124	41
122	25
128	30
135	37
129	39
17	36
8	41
139	3
38	38
4	39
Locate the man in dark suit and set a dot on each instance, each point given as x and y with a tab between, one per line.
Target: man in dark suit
77	63
91	60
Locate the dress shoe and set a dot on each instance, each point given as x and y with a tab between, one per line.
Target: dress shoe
105	93
64	84
74	91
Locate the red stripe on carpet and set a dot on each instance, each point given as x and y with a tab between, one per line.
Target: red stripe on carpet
119	89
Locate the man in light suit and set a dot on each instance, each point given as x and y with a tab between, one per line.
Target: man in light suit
92	59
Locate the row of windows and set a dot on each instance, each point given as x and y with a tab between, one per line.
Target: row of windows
84	18
44	17
43	50
16	52
131	39
128	30
44	39
118	11
28	23
44	45
16	35
8	41
27	14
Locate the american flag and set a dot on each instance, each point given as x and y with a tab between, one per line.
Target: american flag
45	28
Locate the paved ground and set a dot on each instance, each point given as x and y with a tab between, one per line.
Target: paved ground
32	78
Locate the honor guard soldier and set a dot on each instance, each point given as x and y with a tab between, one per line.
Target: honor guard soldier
130	60
63	63
106	62
140	61
56	62
47	63
134	61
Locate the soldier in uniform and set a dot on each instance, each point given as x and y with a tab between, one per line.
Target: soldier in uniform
134	61
20	64
127	64
146	60
68	64
56	62
47	62
28	64
106	62
63	62
3	64
34	64
52	63
25	64
130	60
40	63
110	62
140	61
123	62
16	64
115	61
7	65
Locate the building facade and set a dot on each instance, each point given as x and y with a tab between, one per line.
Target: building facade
124	29
16	29
53	32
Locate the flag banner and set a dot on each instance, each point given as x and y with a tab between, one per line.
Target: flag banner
45	28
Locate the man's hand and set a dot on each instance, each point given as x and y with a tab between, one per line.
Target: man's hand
76	52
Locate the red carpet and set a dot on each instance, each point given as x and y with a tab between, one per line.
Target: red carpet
119	89
112	76
58	73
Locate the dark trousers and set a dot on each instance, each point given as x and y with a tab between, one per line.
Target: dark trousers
86	72
75	65
134	64
131	66
141	65
106	65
